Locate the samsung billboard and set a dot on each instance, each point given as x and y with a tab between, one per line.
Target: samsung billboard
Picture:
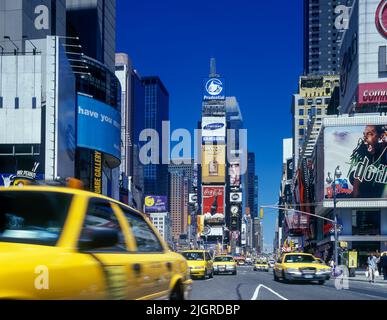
99	127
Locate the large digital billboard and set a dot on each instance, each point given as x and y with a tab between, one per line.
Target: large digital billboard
235	174
213	164
99	127
156	204
213	128
213	199
360	151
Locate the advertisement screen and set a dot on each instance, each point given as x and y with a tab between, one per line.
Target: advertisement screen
360	151
213	204
99	127
155	204
235	174
213	163
213	128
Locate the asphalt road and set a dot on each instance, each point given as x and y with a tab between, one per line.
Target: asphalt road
257	285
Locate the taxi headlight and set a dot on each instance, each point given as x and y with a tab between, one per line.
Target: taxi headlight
293	270
324	271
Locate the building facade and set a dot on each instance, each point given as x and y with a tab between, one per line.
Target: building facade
156	112
324	25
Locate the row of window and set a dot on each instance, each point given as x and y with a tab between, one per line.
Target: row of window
17	103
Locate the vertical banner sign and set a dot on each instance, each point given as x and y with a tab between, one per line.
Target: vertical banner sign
97	176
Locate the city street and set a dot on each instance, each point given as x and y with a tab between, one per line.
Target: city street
253	285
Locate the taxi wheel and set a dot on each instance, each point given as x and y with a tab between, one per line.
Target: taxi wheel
177	293
212	274
321	282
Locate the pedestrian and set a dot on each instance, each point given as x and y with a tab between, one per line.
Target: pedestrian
383	264
332	265
372	267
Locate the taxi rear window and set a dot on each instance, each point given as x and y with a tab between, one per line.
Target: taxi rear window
32	217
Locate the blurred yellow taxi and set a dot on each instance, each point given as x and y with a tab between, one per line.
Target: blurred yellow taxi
62	243
200	263
225	264
260	265
300	267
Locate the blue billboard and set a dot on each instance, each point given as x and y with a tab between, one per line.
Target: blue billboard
156	204
99	127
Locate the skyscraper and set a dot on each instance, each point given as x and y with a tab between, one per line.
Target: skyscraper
180	185
94	22
156	111
324	25
252	186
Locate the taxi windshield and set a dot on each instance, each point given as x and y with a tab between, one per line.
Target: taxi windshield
32	217
223	259
299	258
194	256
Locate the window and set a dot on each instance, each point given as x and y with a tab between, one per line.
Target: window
310	102
301	122
301	102
301	112
33	217
101	215
301	132
146	239
365	223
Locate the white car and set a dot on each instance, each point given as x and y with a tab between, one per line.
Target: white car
271	263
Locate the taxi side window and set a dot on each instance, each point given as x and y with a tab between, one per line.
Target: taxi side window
100	214
147	241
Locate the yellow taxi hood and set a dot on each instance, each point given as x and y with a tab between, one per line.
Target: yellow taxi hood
305	265
196	263
222	263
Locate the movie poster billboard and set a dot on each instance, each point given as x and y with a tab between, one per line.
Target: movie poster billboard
235	174
213	200
360	151
213	164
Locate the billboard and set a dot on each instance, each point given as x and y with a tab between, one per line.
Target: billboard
154	204
360	151
99	127
236	197
235	174
213	164
193	198
214	89
213	128
213	204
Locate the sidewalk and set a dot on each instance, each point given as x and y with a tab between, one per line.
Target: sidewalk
360	276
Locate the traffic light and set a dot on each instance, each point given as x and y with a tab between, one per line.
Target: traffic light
261	213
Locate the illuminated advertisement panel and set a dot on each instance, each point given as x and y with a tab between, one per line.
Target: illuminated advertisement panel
235	174
360	151
213	164
214	89
155	204
213	199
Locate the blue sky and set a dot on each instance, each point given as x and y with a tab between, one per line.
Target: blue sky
258	47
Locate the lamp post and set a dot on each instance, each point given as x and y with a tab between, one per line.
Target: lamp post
329	180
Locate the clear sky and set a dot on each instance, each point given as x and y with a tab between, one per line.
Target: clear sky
258	47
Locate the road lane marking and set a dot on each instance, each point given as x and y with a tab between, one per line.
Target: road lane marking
256	293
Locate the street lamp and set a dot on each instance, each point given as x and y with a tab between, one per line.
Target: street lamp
329	180
16	47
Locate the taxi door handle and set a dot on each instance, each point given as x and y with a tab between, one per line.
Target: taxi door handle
137	268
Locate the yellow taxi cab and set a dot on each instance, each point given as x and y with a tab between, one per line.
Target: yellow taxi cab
300	267
200	263
261	265
224	264
62	243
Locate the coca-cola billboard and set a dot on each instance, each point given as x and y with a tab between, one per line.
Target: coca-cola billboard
213	204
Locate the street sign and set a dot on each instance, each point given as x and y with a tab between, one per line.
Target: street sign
339	229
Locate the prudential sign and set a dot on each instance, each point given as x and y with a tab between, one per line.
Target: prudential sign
214	89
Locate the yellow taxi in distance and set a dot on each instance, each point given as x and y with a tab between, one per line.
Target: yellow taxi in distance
225	264
300	267
200	263
62	243
260	265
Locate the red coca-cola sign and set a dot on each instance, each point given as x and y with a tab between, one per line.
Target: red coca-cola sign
213	202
